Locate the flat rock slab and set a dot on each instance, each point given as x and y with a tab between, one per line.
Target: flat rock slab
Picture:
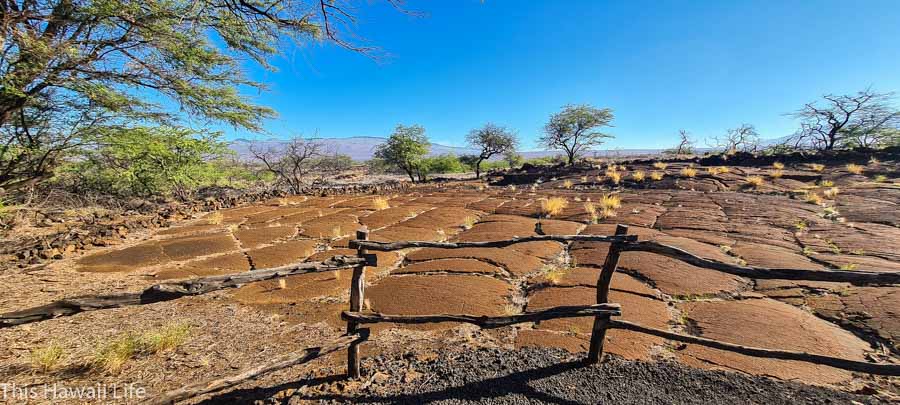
391	216
330	226
256	237
439	294
774	257
386	260
281	254
450	266
224	264
129	259
194	246
769	324
678	278
874	311
514	262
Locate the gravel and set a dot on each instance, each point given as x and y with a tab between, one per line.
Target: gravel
539	375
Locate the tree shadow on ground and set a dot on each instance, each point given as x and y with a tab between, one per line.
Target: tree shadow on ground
513	383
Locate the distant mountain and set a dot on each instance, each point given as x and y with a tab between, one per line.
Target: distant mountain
357	147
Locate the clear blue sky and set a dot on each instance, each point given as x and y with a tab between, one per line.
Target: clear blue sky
660	65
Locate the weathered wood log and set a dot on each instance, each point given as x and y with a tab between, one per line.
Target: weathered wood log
844	364
169	291
388	246
279	363
857	277
487	322
598	331
357	295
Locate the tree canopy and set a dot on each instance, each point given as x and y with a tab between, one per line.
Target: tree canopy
575	130
865	119
490	140
405	149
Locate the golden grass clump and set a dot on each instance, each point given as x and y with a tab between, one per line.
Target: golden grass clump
584	179
115	353
816	167
613	176
215	218
776	174
553	206
873	161
47	358
381	203
689	172
567	184
638	176
778	166
880	178
814	198
591	210
554	274
611	201
831	193
656	176
469	222
166	338
855	168
755	181
826	183
282	284
660	165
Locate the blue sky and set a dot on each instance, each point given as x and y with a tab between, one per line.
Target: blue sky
704	66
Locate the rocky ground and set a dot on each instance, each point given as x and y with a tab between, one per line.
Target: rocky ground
797	217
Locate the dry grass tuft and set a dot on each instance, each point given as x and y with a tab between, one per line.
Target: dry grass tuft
816	167
511	309
689	172
113	355
826	183
553	206
215	218
776	174
567	184
660	165
831	193
166	338
855	168
554	274
47	358
611	201
381	203
638	176
880	178
778	166
282	284
813	198
755	181
613	176
873	161
469	222
656	176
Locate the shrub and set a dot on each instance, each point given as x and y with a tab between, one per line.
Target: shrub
47	358
755	181
855	168
553	206
638	176
656	176
689	172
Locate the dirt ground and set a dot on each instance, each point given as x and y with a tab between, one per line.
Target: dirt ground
853	224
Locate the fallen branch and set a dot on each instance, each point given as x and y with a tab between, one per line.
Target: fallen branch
856	277
488	322
169	291
844	364
280	363
388	246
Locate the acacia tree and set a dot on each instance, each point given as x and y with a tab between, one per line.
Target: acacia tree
491	140
574	130
92	64
291	162
843	121
685	144
741	139
405	149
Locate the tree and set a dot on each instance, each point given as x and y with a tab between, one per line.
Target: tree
513	159
151	160
291	162
741	139
491	140
861	119
74	69
405	149
685	144
573	130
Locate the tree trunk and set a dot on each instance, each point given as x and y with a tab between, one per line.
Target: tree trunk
478	168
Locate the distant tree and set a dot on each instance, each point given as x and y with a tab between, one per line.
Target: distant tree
491	140
741	139
446	163
862	119
513	159
574	130
292	162
405	149
685	144
469	160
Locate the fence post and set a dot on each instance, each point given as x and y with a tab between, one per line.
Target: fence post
357	295
601	322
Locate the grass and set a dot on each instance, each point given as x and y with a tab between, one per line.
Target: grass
813	198
381	203
215	218
611	201
591	210
613	176
584	179
801	225
817	167
689	172
755	181
831	193
826	183
282	284
554	273
567	184
807	251
167	338
656	176
830	213
880	178
873	161
336	232
511	309
855	168
469	222
776	174
114	354
47	358
849	266
660	165
638	176
553	206
778	166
